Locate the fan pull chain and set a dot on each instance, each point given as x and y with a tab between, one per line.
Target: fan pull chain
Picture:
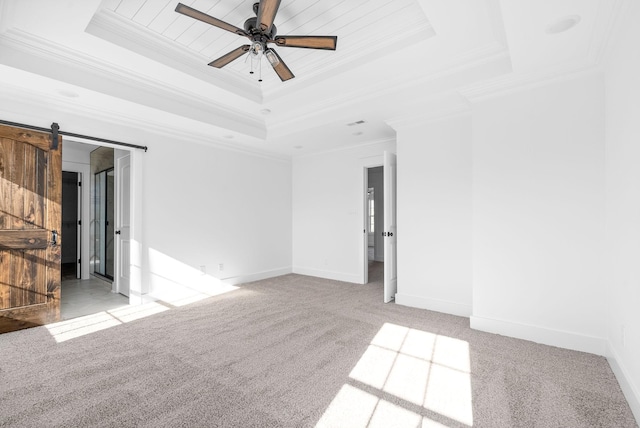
260	70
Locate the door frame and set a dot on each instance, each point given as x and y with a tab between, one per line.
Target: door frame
137	289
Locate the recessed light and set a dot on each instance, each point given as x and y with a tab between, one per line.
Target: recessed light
67	93
562	24
297	147
228	136
265	111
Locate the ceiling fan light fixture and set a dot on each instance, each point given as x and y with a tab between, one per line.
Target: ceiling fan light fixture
272	57
256	49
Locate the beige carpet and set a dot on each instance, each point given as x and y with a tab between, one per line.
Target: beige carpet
296	351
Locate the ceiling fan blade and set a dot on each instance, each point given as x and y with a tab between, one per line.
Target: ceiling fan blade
267	13
231	56
200	16
309	42
281	68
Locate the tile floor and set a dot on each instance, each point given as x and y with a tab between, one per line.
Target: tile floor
88	296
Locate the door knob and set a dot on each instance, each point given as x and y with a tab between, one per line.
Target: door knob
118	232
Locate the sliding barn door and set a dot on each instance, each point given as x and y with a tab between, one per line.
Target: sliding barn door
30	220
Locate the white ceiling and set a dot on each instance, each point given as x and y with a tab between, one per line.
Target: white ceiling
140	62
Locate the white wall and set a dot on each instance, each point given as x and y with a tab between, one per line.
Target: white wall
434	215
622	276
205	206
195	205
538	214
328	211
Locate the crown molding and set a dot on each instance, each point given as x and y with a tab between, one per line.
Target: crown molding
517	82
100	76
480	56
357	55
111	27
115	119
350	147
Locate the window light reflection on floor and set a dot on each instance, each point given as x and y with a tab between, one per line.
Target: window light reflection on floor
406	377
77	327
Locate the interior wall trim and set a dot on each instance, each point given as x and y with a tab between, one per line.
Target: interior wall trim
542	335
630	390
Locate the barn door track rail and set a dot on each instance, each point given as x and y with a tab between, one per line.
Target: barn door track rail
55	131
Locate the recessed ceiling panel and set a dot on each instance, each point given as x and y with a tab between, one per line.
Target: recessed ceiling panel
365	29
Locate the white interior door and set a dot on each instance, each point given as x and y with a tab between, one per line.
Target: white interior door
123	221
390	227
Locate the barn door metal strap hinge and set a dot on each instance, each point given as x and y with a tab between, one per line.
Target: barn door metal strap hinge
54	136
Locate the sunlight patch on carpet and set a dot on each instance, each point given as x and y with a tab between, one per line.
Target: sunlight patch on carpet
406	377
82	326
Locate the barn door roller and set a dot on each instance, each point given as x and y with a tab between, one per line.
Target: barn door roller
54	135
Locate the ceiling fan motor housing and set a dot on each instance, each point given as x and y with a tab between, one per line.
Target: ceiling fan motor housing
251	27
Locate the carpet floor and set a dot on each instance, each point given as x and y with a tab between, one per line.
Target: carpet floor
297	351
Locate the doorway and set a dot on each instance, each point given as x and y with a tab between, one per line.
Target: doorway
94	289
71	225
375	223
380	225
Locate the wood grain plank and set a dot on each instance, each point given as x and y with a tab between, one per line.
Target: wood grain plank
35	263
54	222
26	317
24	239
30	198
5	270
39	139
40	192
17	187
16	280
6	199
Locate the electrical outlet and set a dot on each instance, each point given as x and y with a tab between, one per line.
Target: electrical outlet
203	269
220	267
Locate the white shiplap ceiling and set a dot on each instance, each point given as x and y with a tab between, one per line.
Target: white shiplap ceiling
140	62
364	29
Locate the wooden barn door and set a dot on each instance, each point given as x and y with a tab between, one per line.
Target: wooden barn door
30	220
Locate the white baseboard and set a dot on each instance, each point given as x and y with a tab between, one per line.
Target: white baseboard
630	390
545	336
241	279
337	276
445	306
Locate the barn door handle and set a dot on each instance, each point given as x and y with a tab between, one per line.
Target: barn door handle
54	237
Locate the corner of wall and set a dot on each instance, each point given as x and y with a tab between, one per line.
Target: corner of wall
630	390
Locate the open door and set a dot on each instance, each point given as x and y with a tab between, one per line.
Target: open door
390	226
30	224
123	221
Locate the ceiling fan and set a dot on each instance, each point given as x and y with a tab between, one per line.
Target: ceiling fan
261	31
